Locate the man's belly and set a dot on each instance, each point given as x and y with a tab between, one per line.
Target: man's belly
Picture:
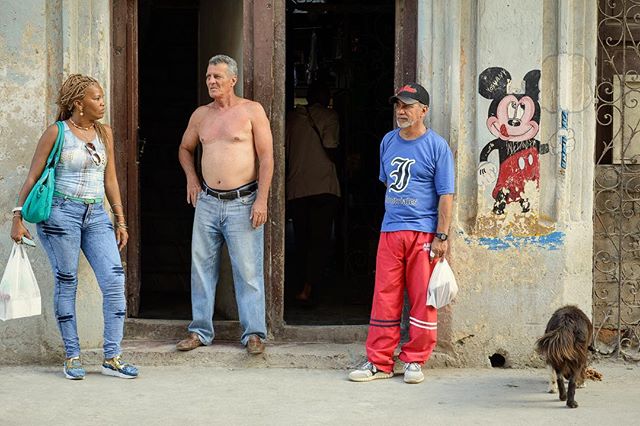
225	171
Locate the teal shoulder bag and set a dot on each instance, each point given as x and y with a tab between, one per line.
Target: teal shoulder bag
37	206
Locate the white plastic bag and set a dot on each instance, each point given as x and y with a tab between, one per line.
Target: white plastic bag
19	292
442	285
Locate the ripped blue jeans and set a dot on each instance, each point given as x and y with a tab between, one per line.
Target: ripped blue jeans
73	226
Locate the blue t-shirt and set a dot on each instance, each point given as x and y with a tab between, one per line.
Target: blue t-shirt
416	173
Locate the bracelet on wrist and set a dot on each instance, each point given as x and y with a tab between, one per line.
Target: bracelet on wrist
16	209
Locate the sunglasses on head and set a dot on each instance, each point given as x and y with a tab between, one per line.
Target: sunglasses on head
95	156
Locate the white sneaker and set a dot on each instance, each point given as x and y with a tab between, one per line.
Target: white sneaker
368	372
413	373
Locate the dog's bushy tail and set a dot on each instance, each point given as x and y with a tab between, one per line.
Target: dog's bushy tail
560	350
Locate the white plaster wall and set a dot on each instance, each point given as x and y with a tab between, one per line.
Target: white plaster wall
513	271
42	42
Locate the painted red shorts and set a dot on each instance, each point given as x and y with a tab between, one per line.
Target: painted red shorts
515	171
402	262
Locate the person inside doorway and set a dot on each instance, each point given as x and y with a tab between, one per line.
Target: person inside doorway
230	203
312	187
416	166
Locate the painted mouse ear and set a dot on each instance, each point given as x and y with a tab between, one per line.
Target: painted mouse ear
531	88
493	82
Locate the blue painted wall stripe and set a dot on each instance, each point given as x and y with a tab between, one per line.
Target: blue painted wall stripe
552	241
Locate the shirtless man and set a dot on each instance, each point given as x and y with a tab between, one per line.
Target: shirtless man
230	203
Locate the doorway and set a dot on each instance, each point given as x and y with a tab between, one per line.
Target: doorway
257	33
170	87
167	96
348	47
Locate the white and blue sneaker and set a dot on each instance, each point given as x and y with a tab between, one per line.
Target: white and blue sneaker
73	369
115	367
368	372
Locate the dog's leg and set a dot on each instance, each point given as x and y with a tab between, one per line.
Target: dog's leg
571	401
562	393
553	386
582	382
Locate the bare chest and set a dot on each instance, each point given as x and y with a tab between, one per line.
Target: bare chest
225	128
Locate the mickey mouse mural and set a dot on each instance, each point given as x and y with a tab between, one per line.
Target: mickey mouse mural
514	119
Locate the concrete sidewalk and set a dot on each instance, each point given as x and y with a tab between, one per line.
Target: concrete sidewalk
200	395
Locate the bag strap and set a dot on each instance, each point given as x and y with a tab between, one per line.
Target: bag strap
315	128
313	124
56	151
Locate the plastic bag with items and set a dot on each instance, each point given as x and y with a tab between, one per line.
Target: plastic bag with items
442	285
19	292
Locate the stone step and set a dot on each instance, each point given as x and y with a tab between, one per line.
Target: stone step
233	355
150	329
224	354
160	329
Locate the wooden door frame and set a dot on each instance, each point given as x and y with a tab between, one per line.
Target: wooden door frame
124	116
264	82
406	49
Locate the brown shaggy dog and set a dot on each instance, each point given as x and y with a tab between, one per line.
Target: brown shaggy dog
565	347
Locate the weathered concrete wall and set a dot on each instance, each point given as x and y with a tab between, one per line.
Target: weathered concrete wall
42	42
521	256
514	268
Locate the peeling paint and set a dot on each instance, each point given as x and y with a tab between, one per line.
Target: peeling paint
513	223
553	241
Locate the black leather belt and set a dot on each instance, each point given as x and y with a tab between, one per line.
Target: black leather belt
243	191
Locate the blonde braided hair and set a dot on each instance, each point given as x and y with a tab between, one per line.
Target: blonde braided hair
74	89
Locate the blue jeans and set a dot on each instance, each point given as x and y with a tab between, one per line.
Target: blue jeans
73	226
217	221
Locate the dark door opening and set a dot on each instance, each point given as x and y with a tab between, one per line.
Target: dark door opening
348	46
168	93
176	40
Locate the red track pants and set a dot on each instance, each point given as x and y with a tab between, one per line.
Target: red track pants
403	259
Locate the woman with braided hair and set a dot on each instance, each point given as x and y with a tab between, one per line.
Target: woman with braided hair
85	174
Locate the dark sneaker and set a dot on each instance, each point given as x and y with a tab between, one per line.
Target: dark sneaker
413	373
368	372
115	367
73	369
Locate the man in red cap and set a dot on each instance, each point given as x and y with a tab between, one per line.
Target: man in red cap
416	165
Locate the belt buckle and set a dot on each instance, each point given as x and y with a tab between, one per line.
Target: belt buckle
221	195
229	195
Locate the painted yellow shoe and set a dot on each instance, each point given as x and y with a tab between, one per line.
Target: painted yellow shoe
115	367
73	369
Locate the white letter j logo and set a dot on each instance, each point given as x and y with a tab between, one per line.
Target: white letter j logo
402	174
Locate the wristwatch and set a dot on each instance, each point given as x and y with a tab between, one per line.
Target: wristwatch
441	236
